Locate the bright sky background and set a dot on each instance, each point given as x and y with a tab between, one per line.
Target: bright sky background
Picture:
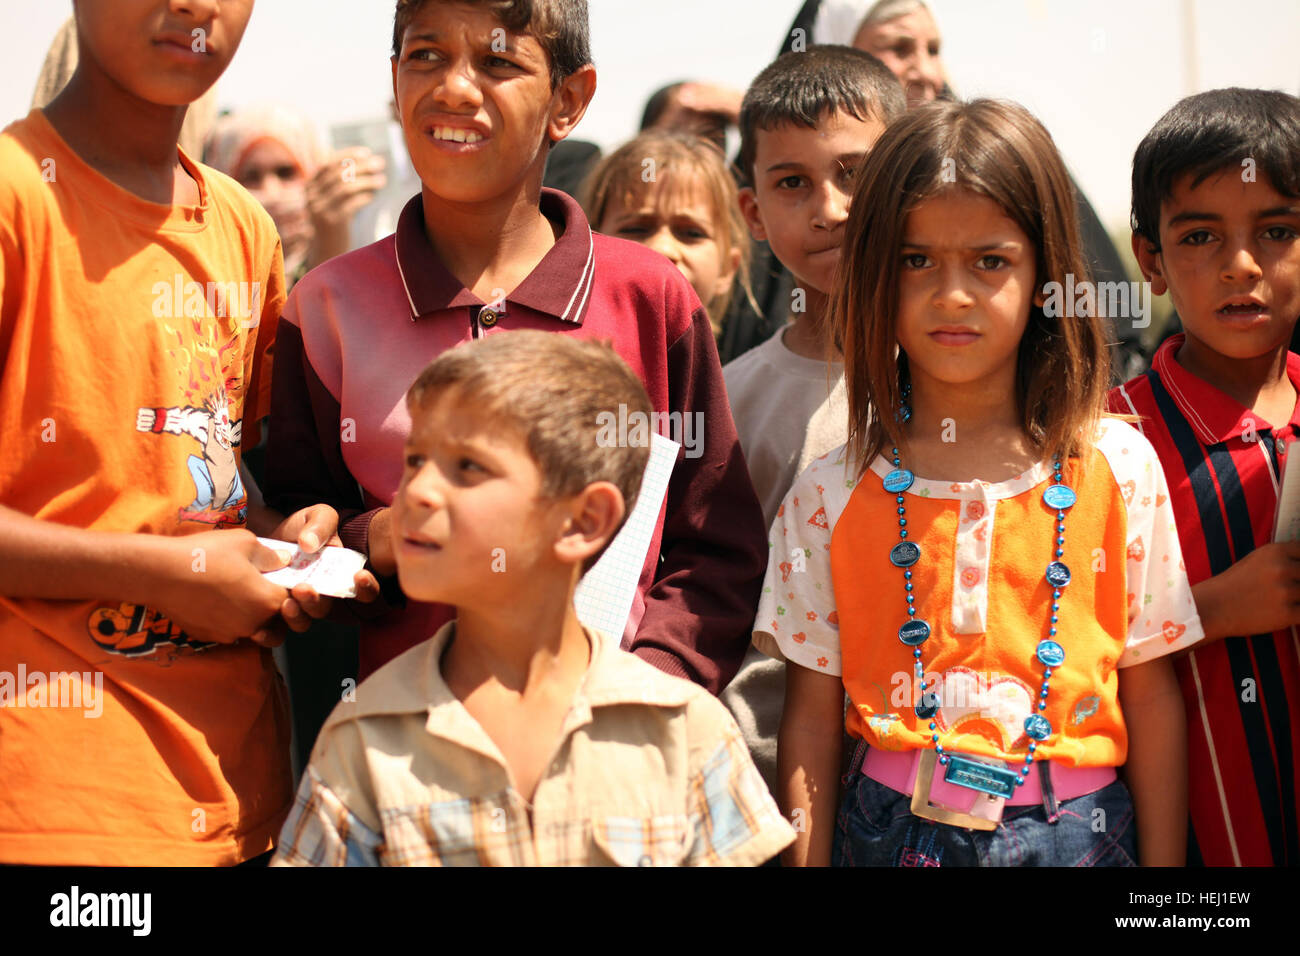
1097	73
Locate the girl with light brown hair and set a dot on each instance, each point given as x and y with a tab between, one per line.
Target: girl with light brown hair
988	568
671	191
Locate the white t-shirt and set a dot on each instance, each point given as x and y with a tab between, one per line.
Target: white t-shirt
789	411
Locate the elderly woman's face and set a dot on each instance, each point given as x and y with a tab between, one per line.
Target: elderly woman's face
909	46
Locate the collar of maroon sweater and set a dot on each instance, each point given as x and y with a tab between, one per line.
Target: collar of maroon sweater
560	286
1215	415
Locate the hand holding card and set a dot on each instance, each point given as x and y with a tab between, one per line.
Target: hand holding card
329	571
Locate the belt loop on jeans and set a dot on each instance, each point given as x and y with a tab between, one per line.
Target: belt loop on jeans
1050	805
855	764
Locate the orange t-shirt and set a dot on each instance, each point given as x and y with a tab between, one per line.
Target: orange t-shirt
134	341
833	602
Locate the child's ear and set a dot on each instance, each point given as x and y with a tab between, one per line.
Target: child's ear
570	101
728	275
1150	262
397	104
594	517
753	216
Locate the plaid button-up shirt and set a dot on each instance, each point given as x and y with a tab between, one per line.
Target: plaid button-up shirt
650	771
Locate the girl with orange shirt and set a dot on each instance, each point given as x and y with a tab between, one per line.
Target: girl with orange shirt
989	569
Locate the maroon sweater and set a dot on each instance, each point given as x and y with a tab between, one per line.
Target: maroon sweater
358	330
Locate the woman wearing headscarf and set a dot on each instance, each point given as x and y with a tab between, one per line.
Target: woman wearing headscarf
274	152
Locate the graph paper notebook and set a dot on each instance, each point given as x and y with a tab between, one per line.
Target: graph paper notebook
604	596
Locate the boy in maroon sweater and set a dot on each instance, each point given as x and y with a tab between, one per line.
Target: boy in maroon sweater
483	90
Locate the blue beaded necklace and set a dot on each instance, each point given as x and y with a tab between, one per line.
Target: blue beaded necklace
1059	497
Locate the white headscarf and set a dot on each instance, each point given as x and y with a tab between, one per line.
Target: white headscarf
838	20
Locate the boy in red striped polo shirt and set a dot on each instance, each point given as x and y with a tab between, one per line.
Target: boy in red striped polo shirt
1216	222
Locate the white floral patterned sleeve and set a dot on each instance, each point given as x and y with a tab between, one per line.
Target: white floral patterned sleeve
1161	612
796	618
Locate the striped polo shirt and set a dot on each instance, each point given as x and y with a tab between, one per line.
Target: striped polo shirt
1222	463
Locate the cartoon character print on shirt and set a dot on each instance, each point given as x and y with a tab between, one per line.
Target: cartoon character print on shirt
219	498
133	630
994	709
205	355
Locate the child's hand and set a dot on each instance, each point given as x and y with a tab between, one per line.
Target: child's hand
1257	595
213	587
343	184
304	605
311	529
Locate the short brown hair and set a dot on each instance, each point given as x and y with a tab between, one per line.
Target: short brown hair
560	26
683	159
803	88
553	390
999	150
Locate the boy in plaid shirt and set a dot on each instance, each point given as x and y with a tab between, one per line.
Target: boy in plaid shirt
517	736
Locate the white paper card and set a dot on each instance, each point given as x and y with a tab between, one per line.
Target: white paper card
604	596
1286	526
329	571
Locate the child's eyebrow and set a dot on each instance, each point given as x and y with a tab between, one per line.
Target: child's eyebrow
1007	244
787	164
1193	215
511	41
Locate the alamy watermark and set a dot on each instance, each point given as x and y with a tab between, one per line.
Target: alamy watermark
1113	300
128	910
185	298
633	429
74	689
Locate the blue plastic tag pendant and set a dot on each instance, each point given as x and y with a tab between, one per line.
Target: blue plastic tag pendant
904	554
1058	575
914	633
898	481
1059	497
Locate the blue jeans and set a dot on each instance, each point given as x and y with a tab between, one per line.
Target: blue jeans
875	827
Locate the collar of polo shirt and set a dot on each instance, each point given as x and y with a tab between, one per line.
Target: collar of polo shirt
560	286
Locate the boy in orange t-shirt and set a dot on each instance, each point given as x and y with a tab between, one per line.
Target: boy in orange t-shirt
139	294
